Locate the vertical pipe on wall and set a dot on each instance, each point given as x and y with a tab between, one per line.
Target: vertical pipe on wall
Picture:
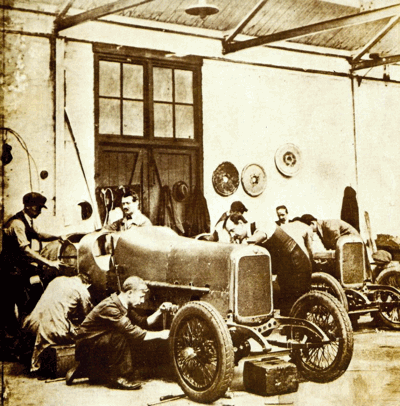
353	101
57	77
53	74
2	121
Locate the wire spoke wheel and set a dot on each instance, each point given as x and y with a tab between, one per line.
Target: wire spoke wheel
389	315
202	352
196	352
324	362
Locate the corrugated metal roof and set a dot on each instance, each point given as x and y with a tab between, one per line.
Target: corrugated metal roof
275	16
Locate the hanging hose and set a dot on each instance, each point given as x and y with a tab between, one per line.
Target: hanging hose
25	148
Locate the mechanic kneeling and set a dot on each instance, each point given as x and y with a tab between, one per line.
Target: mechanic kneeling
112	335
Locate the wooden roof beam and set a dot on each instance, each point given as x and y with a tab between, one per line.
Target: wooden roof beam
63	10
245	21
346	21
102	11
372	63
376	39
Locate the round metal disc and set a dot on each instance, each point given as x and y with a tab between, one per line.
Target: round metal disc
225	179
254	179
288	159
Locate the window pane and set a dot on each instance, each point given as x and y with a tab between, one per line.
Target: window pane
133	118
162	79
183	86
184	122
133	81
163	120
109	79
109	116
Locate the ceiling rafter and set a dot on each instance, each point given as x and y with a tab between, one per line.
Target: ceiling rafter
245	21
341	22
375	39
61	22
63	10
372	63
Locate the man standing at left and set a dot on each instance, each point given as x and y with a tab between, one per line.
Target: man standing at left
18	262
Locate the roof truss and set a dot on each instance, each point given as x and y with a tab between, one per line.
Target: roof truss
62	22
392	12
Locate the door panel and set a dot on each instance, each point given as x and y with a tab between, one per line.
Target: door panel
173	166
148	169
119	170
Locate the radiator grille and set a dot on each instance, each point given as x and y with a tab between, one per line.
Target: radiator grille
254	286
353	263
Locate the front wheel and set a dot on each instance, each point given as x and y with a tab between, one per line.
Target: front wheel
201	352
327	283
325	362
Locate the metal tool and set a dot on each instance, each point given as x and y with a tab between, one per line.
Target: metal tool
167	398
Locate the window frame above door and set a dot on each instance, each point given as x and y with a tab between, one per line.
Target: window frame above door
150	59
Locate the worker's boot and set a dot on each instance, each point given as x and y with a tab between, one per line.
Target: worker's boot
76	372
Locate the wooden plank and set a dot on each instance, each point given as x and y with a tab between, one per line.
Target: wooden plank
97	12
341	22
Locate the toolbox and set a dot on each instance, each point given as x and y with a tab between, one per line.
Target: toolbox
270	376
57	360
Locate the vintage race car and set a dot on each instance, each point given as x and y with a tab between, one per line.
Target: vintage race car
224	298
344	274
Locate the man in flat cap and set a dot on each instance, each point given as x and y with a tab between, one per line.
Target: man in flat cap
18	263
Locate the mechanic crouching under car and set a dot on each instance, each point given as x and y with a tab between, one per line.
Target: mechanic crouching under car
113	340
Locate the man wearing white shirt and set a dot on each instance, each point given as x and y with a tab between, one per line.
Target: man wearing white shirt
132	214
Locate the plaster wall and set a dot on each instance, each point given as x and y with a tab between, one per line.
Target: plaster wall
378	129
249	112
28	111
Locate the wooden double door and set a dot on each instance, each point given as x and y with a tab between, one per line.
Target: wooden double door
155	173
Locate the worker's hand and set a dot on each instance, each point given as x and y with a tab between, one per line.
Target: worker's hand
166	307
53	264
164	334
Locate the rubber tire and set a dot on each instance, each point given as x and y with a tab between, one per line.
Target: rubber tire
342	330
331	285
387	278
211	319
384	279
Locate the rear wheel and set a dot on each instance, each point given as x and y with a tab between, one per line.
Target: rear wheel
389	277
390	317
202	352
325	362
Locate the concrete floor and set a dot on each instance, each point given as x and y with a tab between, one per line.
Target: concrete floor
372	379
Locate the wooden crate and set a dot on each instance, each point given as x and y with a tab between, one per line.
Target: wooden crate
270	376
57	360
